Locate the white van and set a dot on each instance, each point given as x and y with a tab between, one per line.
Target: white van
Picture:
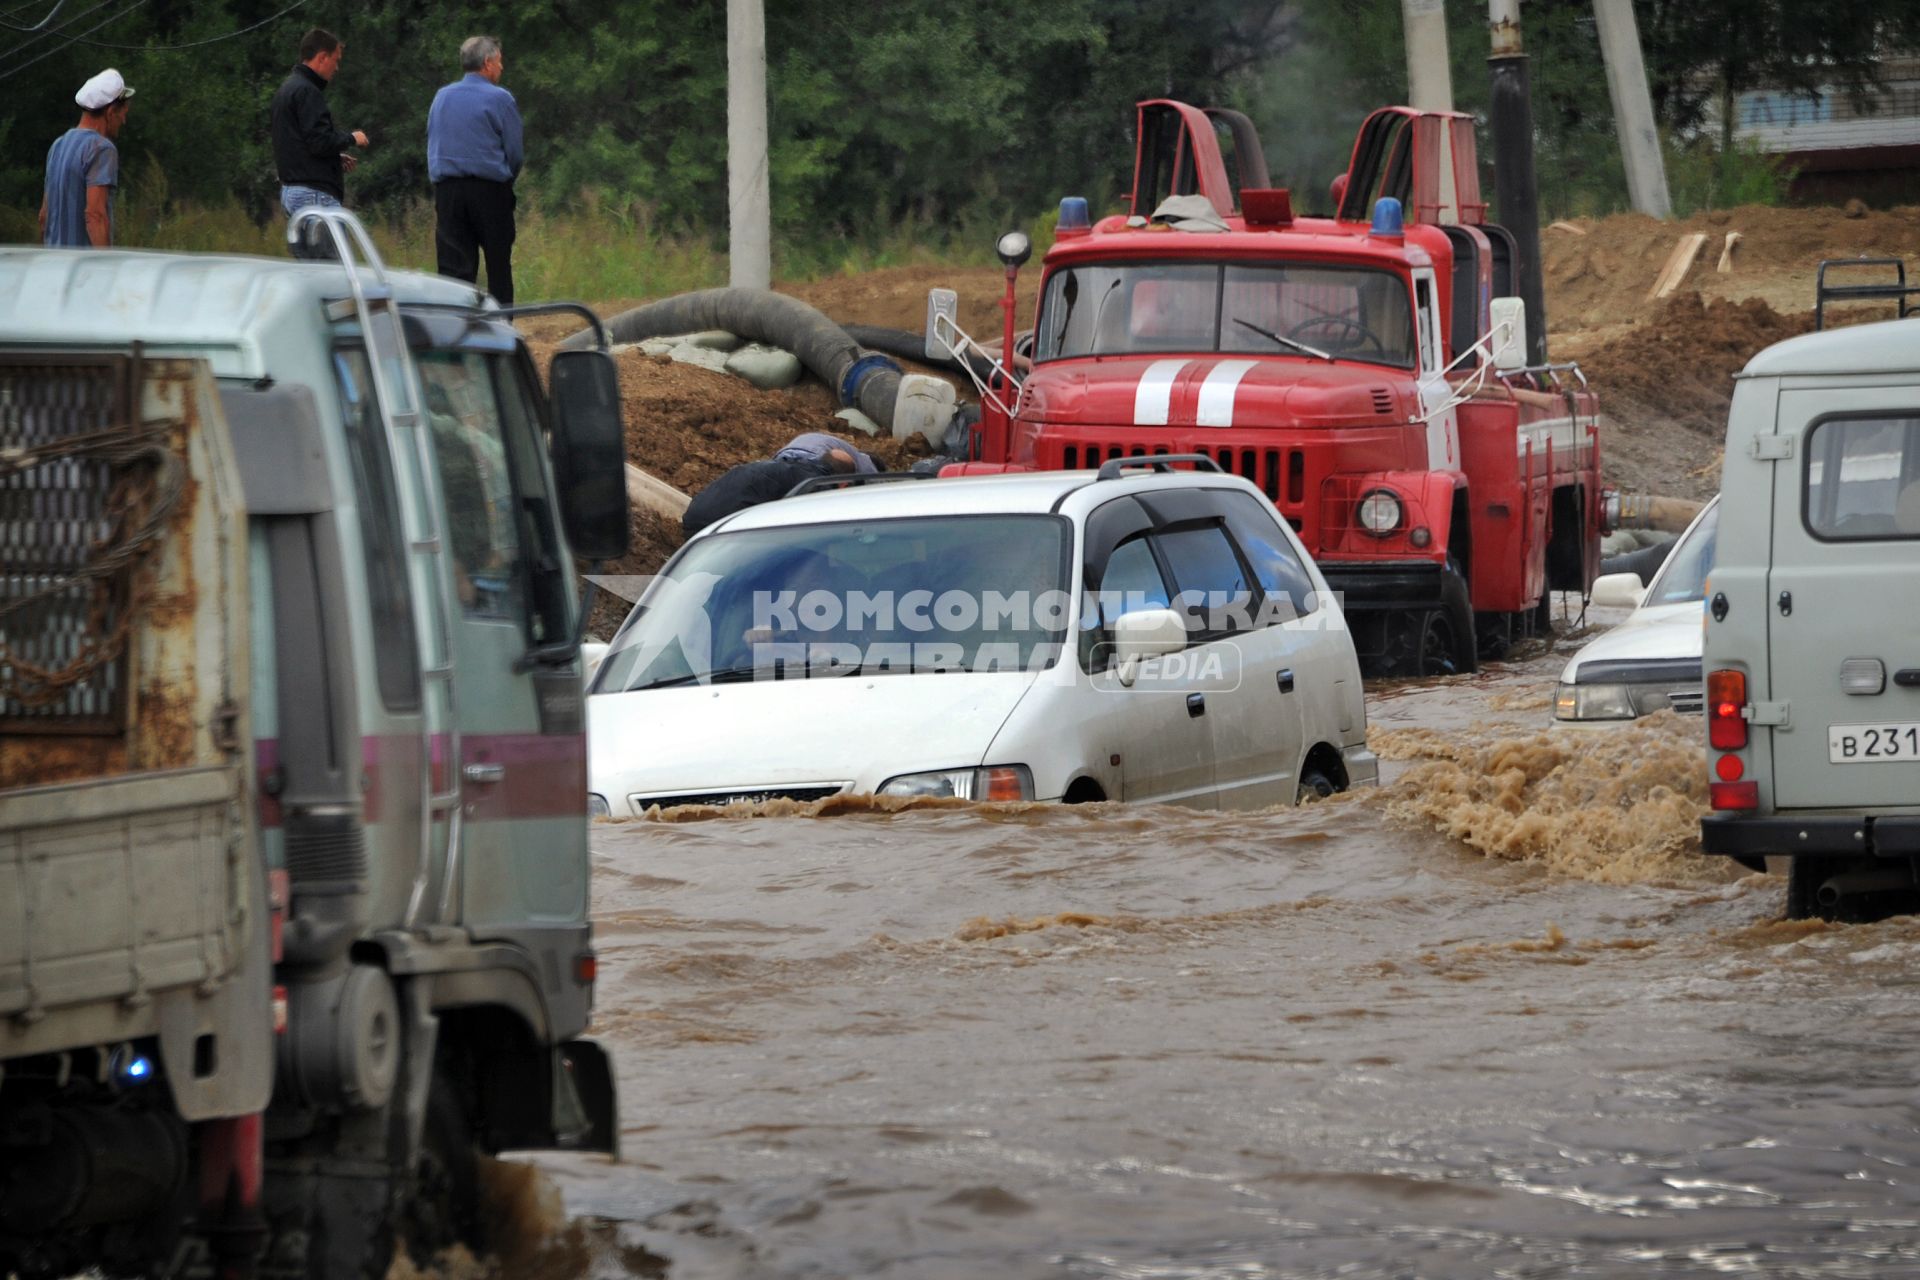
1812	651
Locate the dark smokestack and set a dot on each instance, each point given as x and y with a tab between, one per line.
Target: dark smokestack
1510	114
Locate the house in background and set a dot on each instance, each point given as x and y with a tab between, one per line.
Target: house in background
1840	148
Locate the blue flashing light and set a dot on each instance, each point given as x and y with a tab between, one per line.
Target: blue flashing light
1388	220
139	1067
1073	214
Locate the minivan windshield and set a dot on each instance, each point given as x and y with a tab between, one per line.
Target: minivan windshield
1683	578
1312	310
920	594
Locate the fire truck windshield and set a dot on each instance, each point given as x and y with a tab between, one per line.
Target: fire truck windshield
1284	308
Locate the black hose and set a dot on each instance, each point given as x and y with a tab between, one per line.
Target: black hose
870	383
907	345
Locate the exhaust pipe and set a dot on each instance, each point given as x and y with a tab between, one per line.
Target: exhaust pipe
1864	880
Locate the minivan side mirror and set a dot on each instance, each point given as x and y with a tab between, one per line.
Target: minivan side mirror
589	451
1618	590
1507	322
1145	633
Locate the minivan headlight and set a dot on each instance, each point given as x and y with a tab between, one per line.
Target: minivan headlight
597	806
1593	702
996	782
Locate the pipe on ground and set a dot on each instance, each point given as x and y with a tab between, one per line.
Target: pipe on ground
1650	511
861	379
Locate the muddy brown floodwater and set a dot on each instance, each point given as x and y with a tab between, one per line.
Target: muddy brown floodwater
1498	1019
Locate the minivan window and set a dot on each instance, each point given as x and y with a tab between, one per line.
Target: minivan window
1283	578
1213	585
1863	478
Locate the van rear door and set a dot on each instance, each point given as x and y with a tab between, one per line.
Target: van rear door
1843	597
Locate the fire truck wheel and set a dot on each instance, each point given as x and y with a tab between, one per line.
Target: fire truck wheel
1457	605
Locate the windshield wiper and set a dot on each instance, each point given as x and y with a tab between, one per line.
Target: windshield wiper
725	675
1284	340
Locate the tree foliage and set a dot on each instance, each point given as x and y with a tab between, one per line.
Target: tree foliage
912	113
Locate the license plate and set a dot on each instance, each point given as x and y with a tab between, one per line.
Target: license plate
1872	743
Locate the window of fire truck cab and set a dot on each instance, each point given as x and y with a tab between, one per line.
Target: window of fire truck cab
1246	308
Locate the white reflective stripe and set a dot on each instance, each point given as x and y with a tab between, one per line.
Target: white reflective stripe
1217	392
1153	399
1569	438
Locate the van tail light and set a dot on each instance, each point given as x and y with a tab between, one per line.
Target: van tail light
1735	796
1726	707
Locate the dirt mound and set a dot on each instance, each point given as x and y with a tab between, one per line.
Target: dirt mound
1665	387
1598	272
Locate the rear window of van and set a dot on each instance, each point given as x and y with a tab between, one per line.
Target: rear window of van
1863	479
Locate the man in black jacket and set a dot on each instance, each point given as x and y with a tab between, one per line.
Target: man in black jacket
309	151
752	483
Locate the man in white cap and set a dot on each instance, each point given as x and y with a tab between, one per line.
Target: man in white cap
83	168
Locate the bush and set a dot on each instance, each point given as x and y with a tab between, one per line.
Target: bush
1701	176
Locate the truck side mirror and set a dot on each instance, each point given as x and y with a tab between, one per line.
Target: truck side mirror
589	452
1507	318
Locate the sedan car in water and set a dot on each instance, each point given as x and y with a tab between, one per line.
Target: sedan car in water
1651	661
1144	634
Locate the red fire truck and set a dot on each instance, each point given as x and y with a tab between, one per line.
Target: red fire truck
1372	372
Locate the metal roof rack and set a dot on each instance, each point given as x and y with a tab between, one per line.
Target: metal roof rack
1897	293
1111	470
813	484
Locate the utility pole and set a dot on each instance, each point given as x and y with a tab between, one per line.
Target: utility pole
749	222
1430	81
1632	107
1510	115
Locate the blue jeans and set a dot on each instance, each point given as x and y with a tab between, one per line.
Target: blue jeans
318	247
294	199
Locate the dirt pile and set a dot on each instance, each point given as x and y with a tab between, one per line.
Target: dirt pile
1666	385
1598	271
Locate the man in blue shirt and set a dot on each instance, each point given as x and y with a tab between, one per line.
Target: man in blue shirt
473	156
83	168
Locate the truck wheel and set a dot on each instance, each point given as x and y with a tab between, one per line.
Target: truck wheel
444	1208
1804	876
1458	608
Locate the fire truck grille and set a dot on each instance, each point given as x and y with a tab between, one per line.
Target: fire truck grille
1281	474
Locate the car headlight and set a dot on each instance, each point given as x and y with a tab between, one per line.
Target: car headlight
1593	702
997	782
597	806
1379	512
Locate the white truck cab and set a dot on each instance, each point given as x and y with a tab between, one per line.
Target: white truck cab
1812	648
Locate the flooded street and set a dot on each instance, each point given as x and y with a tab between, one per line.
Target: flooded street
1497	1019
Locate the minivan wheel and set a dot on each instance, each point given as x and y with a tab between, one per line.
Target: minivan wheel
1314	785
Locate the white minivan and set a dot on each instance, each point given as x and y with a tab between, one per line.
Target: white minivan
1143	634
1812	650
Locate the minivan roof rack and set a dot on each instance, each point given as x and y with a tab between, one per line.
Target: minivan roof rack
813	484
1897	292
1111	469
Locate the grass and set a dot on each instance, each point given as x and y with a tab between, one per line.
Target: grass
587	250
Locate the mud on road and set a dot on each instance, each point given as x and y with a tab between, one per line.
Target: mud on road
1498	1018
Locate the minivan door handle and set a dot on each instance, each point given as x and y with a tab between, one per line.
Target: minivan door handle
1196	705
484	774
1907	677
1284	678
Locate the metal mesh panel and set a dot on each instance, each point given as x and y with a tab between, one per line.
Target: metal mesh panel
51	516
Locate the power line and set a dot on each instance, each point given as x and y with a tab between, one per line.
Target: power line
52	13
30	41
192	44
17	68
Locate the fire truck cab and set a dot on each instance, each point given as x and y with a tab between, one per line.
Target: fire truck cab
1372	372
